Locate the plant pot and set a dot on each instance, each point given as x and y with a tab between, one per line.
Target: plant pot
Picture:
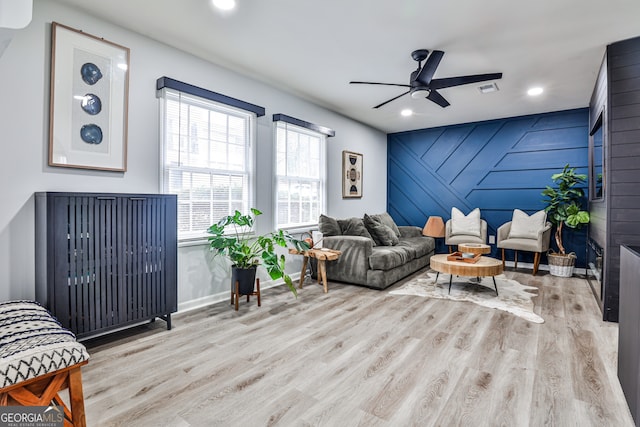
246	277
561	265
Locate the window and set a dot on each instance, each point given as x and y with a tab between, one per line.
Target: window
207	159
300	175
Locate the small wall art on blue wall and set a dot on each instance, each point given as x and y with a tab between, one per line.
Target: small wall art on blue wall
497	166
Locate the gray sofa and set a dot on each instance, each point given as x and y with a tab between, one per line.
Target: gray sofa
369	256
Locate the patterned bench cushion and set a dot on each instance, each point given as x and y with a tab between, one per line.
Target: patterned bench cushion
33	343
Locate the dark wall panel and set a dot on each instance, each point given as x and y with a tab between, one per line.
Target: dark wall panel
623	200
496	165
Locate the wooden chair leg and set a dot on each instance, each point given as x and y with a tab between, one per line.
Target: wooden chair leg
536	262
515	259
503	258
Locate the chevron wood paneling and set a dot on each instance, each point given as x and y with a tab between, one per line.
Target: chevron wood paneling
497	165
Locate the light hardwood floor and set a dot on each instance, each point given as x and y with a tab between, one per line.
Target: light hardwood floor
361	357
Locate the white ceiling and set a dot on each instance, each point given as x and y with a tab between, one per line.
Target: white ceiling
314	48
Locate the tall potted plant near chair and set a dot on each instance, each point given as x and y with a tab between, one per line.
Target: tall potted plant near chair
231	237
564	208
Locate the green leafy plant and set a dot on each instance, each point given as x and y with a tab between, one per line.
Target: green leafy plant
246	250
564	203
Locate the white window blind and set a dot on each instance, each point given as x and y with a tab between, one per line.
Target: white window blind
300	176
207	159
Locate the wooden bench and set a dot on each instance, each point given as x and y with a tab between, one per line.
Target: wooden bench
38	359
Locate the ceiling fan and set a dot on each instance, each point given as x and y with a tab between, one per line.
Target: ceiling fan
422	82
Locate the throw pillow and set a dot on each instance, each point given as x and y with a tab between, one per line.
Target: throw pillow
354	227
382	234
525	226
468	225
329	226
387	220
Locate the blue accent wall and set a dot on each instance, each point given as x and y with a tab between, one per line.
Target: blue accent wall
497	166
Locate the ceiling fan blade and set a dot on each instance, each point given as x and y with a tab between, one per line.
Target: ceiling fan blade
392	99
381	84
462	80
429	68
437	98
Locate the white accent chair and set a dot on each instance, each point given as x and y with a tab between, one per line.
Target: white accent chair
465	229
534	239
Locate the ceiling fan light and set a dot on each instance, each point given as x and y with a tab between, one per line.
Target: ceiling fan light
419	93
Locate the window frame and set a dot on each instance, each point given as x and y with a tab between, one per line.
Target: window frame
305	128
212	101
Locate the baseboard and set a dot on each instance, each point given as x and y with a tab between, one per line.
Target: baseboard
543	267
197	303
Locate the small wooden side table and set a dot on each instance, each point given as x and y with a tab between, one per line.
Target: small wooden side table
474	248
321	255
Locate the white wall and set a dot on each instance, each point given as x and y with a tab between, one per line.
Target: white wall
24	120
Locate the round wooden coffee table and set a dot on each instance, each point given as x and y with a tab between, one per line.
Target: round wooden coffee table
483	267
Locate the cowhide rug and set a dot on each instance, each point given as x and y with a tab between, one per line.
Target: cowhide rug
513	297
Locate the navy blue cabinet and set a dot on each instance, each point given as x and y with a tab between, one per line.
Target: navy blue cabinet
105	261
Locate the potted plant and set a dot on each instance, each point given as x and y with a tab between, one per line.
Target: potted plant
564	207
247	251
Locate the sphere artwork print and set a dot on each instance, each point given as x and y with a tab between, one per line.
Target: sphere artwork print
91	104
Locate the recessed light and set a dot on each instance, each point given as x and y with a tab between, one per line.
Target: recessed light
406	112
224	4
535	91
488	88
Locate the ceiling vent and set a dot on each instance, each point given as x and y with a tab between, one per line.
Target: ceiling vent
488	88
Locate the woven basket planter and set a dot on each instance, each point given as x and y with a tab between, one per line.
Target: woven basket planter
561	265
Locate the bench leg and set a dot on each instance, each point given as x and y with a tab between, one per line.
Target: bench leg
44	391
76	397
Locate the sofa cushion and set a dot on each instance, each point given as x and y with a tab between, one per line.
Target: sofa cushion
329	226
386	219
525	226
382	234
388	257
421	246
354	227
468	225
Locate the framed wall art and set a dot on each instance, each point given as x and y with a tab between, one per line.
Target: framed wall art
351	174
89	101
